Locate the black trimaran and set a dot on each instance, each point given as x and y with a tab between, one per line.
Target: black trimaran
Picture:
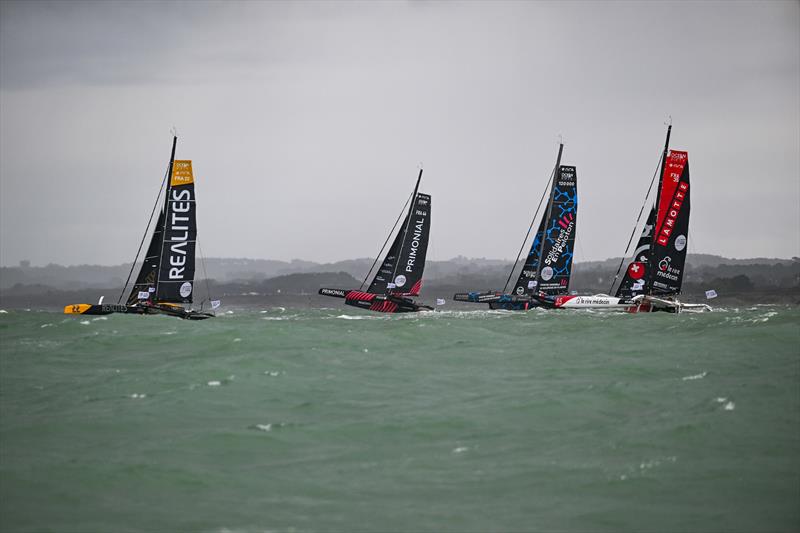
654	275
548	267
166	278
400	274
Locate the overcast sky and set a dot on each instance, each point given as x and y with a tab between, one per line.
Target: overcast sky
306	122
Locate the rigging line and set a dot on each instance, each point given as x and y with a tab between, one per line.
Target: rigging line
533	220
633	231
386	241
146	230
205	274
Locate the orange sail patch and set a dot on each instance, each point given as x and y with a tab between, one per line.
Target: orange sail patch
182	173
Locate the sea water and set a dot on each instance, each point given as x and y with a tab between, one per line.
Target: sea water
341	420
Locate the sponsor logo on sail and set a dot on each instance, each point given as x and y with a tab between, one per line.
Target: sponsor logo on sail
547	273
567	224
186	289
666	270
680	242
333	292
412	254
178	231
672	213
636	270
400	280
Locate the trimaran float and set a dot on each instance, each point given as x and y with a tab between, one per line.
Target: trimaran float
166	278
400	275
548	267
654	276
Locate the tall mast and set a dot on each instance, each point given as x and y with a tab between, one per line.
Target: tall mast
549	207
650	266
166	208
408	222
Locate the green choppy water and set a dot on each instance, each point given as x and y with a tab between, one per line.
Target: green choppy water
334	420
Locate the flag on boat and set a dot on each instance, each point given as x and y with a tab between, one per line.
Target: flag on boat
439	301
215	304
144	295
711	294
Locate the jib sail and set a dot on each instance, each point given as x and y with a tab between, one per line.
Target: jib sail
402	269
176	273
633	282
145	285
526	283
670	239
549	263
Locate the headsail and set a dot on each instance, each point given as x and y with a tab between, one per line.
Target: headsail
403	274
549	264
635	278
146	280
176	270
672	227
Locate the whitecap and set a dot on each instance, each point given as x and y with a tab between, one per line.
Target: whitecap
138	396
730	406
721	399
237	339
45	325
85	322
3	312
264	427
460	449
100	318
271	373
214	383
695	376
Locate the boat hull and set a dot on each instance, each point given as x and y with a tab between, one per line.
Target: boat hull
498	301
380	303
107	309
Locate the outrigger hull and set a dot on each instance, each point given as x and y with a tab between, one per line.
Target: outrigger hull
637	304
381	303
498	300
107	309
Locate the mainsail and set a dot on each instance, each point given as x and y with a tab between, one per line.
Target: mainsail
668	251
176	264
549	264
402	268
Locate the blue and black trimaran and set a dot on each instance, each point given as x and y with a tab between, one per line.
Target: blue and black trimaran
548	267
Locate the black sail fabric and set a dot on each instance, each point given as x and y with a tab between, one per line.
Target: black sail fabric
548	267
559	236
176	275
145	285
633	282
402	269
670	240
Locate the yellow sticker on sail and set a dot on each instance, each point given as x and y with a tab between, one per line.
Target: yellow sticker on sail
181	173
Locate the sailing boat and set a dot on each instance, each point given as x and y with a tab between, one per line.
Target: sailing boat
654	276
166	278
400	274
548	267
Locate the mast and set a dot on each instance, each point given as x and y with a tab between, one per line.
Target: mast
549	207
408	222
166	206
650	270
